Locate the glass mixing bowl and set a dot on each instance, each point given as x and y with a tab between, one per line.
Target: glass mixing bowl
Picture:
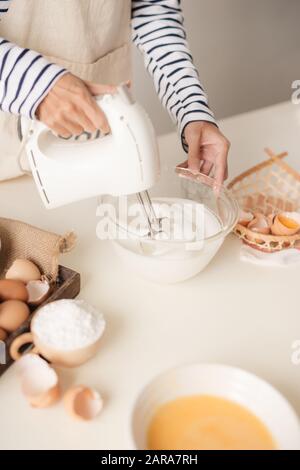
174	260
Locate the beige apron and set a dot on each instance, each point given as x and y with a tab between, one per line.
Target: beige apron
91	38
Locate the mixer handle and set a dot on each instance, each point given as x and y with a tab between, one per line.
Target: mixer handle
110	103
105	102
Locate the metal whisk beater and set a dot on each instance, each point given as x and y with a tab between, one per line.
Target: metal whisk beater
154	222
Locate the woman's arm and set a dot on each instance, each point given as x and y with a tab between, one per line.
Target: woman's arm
25	78
32	86
159	34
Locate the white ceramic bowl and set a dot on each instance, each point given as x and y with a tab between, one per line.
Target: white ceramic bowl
223	381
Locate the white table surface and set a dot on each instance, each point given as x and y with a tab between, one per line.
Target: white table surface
233	313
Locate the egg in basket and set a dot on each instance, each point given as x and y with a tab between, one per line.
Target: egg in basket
269	198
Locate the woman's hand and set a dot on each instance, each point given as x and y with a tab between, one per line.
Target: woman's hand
208	149
69	108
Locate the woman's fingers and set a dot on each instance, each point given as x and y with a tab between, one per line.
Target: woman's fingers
70	108
194	155
61	131
91	111
95	114
72	125
221	166
184	164
85	123
206	167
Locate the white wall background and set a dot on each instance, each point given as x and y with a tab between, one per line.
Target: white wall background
247	53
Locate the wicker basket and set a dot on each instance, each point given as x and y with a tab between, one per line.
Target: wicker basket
270	187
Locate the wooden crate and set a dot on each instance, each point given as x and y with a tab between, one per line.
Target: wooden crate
67	287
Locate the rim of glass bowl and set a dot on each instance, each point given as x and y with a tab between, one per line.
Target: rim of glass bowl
208	181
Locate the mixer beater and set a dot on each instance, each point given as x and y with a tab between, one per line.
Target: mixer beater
154	223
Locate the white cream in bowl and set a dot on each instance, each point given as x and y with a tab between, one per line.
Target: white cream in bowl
173	255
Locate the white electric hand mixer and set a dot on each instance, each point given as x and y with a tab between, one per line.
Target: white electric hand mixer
124	162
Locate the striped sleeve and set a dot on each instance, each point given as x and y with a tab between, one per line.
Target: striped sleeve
4	5
158	32
25	76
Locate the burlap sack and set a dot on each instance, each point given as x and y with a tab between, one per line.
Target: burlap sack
20	240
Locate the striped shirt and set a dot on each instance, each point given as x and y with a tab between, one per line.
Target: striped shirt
158	32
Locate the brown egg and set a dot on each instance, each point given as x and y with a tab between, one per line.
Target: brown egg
83	403
12	314
3	334
23	270
13	290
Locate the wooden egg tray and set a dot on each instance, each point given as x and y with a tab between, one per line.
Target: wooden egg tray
66	287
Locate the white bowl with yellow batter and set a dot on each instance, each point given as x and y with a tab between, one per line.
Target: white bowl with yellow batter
213	407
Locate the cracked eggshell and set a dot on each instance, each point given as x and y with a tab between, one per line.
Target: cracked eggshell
259	224
38	291
39	381
245	218
83	403
271	218
23	270
286	224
